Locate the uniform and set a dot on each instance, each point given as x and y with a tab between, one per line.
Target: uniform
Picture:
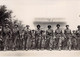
38	35
27	39
74	41
7	38
16	38
58	39
68	35
78	39
49	38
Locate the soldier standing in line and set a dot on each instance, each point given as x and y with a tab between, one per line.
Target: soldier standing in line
49	38
1	39
7	36
78	37
68	35
27	38
38	35
58	35
16	38
74	38
33	42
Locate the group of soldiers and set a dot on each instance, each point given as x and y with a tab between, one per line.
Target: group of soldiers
27	39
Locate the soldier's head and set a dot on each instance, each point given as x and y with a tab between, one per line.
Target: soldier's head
78	27
49	26
58	25
67	26
7	25
38	26
27	26
16	26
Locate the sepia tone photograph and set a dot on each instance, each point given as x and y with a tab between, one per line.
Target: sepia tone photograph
40	28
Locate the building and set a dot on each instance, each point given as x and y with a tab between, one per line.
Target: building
44	22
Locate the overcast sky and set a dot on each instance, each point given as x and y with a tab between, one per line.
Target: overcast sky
27	10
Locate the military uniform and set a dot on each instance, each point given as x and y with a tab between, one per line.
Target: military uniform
78	39
49	38
38	35
8	39
68	35
16	38
58	39
74	40
27	39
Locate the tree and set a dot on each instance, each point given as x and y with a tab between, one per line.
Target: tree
6	18
5	15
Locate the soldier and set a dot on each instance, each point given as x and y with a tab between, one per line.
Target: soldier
1	39
27	38
7	37
58	35
38	35
74	38
68	35
49	38
78	37
33	42
16	38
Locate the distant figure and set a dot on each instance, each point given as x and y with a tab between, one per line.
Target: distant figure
49	38
16	38
68	35
78	37
27	38
58	35
7	37
74	40
38	35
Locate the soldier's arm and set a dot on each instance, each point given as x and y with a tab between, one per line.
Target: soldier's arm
64	34
30	33
70	32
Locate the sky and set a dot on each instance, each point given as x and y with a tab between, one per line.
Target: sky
28	10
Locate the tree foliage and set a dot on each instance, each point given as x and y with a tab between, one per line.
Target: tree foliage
6	18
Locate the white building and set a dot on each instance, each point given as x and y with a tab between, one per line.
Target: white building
44	22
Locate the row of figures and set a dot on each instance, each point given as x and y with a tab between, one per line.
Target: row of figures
27	39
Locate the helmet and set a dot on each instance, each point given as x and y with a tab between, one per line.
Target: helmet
58	25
